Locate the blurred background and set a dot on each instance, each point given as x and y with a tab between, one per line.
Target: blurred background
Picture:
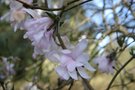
109	25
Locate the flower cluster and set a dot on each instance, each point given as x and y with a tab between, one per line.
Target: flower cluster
72	60
42	39
17	13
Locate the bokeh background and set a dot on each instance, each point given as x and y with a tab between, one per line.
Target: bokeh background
107	24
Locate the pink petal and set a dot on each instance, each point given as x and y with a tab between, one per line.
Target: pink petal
103	66
89	67
83	58
37	52
79	48
97	60
53	56
65	59
15	4
62	72
66	51
38	36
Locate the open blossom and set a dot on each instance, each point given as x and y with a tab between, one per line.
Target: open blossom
42	39
73	62
17	13
105	63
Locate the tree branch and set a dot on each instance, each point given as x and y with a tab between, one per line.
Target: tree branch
36	7
117	73
86	83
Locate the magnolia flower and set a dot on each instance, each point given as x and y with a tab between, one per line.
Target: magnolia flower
105	63
73	62
42	39
17	13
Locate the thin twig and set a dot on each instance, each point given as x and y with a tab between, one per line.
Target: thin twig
77	5
59	37
117	73
2	85
71	2
71	85
36	7
46	3
89	87
64	83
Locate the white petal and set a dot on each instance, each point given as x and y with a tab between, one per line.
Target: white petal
66	51
72	65
15	27
83	73
5	17
65	59
89	67
73	74
62	72
25	36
